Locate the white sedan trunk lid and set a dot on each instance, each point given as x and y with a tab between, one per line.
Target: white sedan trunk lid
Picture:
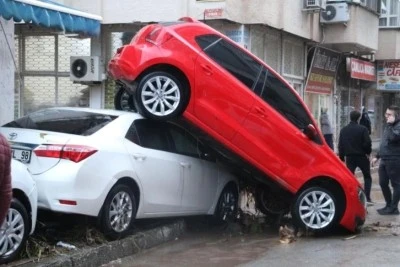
24	141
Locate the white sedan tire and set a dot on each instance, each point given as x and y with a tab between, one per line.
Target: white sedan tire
14	232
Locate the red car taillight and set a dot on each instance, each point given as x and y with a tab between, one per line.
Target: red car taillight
155	36
119	50
74	153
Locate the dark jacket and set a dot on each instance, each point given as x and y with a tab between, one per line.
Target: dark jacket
5	177
366	121
390	142
354	140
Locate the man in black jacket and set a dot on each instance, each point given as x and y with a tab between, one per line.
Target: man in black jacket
389	167
355	146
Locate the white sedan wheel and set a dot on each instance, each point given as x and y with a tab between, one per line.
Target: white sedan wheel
13	232
120	212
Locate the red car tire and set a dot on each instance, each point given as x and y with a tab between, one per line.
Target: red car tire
160	96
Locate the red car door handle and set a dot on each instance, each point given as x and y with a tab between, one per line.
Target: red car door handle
207	69
260	111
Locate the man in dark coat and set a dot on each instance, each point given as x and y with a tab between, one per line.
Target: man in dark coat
365	120
5	178
355	146
389	167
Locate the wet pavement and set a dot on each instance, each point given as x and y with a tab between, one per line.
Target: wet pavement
377	245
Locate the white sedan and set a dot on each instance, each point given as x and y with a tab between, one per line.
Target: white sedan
119	166
21	218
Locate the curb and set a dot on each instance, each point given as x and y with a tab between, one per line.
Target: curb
117	249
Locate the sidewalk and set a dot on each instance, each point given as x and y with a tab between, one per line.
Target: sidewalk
109	251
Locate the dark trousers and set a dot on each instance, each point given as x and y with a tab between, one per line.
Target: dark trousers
389	170
329	140
362	162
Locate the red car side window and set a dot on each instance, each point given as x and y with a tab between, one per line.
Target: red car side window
233	59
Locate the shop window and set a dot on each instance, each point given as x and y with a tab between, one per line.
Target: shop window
42	75
272	50
293	59
40	53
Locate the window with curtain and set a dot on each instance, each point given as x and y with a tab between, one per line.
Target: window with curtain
389	13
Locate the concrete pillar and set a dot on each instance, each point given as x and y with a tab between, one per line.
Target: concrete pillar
7	69
96	99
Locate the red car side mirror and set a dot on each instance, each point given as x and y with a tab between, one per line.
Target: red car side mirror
310	131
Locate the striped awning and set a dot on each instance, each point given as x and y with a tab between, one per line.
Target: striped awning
52	15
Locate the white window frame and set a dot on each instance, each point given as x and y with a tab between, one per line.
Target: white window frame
387	13
293	43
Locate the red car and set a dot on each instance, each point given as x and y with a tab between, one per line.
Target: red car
188	69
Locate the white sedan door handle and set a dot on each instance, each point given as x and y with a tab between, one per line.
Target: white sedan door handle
139	157
185	165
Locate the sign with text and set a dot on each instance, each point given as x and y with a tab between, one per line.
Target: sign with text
362	70
213	13
388	72
322	73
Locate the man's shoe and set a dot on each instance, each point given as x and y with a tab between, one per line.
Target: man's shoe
389	211
370	203
384	209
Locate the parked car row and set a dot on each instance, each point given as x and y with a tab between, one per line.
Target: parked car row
119	167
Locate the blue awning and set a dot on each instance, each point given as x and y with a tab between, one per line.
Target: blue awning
52	15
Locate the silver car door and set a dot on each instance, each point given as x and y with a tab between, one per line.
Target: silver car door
200	177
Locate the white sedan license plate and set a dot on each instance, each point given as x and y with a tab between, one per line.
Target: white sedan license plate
23	155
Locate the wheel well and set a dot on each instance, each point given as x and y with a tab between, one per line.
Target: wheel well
171	70
133	185
231	184
332	185
20	195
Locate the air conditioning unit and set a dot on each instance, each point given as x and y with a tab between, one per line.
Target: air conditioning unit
335	13
85	69
314	4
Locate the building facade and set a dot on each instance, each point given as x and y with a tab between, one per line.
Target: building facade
30	74
284	33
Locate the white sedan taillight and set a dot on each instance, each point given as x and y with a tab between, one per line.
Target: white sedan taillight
75	153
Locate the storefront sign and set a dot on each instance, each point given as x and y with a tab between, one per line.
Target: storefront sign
388	72
321	76
362	70
213	13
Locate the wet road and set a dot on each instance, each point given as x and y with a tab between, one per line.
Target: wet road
377	245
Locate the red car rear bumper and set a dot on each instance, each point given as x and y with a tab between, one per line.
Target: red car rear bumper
120	68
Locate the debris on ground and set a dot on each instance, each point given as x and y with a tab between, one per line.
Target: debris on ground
392	227
75	232
65	245
350	237
286	235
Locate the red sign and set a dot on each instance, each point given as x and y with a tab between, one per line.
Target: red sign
213	12
362	70
321	76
